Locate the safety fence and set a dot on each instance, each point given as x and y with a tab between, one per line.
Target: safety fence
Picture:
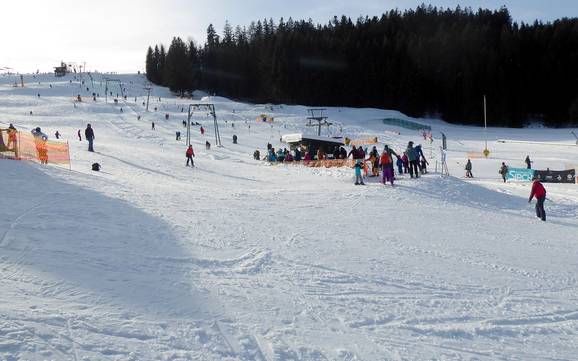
325	163
407	124
24	146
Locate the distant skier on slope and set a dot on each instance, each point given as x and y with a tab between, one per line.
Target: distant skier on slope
190	154
528	162
539	192
89	135
469	169
504	171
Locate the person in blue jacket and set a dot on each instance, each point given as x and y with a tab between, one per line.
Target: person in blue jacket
399	164
297	155
358	177
271	156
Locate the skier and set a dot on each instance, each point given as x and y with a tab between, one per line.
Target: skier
405	161
89	135
178	135
528	162
423	165
79	136
539	192
234	139
202	131
358	178
412	157
57	135
153	125
207	145
399	164
190	154
40	142
469	169
386	168
504	171
12	137
256	155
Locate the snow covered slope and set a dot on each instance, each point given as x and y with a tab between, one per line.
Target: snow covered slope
236	259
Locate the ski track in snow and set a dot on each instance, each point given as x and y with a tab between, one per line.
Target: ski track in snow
237	259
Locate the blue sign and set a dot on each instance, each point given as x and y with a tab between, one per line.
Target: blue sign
520	174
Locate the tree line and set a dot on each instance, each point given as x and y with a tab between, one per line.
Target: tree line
423	62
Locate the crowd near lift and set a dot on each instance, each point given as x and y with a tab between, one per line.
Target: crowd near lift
211	109
312	142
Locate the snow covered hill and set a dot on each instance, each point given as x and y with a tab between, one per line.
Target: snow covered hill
237	259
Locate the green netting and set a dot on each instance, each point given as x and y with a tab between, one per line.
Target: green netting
407	124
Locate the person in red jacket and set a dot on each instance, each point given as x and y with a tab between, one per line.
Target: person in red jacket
190	154
539	192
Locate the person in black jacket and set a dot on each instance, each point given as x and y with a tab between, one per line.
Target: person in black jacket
89	135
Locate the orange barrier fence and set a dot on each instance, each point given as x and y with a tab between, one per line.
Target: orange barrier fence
367	141
475	155
326	163
24	146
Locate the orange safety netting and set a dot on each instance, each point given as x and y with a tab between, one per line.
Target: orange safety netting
24	146
325	163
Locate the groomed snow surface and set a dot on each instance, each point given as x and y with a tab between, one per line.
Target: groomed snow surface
237	259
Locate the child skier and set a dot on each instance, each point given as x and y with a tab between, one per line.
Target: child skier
358	177
399	164
405	161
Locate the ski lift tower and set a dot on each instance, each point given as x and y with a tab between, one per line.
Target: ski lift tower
148	88
211	109
107	80
316	114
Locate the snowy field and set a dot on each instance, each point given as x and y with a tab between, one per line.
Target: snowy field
237	259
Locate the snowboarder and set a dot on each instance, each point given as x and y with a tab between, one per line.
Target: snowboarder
469	169
190	154
504	171
234	139
153	125
89	135
358	177
539	192
96	167
528	162
257	155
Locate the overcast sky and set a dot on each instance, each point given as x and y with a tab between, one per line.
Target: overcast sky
113	35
